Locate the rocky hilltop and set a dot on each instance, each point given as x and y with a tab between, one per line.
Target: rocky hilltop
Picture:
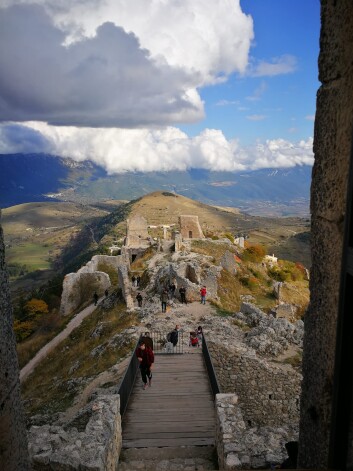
252	322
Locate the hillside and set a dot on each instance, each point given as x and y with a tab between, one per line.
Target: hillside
41	177
39	234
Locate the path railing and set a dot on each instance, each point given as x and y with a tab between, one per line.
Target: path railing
210	369
160	346
127	383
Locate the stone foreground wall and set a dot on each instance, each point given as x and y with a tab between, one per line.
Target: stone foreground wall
13	439
268	395
91	442
242	447
332	149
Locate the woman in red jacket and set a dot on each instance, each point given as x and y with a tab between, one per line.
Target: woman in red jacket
203	292
146	358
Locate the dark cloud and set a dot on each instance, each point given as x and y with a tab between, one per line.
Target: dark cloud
104	81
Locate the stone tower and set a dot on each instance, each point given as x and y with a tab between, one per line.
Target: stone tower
13	438
190	227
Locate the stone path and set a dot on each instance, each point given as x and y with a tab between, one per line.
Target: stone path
43	352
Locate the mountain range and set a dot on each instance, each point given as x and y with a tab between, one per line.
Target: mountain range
42	177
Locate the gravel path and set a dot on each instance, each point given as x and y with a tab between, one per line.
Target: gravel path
43	352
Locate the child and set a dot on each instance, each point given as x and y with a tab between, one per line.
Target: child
194	341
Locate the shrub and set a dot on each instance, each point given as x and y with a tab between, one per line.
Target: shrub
35	308
254	253
22	329
229	236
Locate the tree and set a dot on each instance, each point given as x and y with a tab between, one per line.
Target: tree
35	308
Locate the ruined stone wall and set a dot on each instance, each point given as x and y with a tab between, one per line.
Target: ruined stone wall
137	232
190	227
242	447
332	147
125	285
78	289
268	395
13	438
91	441
110	260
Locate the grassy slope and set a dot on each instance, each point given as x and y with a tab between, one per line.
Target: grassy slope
53	385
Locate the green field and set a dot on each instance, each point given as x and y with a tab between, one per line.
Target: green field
31	254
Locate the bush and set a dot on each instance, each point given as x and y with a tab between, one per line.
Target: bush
229	236
254	253
35	308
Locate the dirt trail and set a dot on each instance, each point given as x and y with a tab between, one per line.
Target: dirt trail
43	352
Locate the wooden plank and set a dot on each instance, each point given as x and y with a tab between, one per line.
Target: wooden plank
165	442
177	411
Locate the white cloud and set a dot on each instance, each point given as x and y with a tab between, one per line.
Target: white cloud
116	62
285	64
256	117
227	102
120	150
258	92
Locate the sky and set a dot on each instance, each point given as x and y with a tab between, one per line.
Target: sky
160	85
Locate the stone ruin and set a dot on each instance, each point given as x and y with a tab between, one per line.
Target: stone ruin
79	287
190	227
137	233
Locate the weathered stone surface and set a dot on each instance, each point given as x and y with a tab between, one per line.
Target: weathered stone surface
240	445
91	441
78	289
137	233
190	227
332	147
228	262
13	439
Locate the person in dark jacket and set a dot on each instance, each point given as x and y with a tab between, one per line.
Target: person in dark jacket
164	299
182	292
145	357
95	298
174	335
148	340
139	299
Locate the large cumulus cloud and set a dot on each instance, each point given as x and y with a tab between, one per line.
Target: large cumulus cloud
121	150
64	63
106	80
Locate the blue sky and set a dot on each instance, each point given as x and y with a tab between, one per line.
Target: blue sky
286	102
222	85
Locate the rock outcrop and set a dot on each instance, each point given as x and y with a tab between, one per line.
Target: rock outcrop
90	441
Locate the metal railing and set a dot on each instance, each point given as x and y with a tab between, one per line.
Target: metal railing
127	383
160	343
210	369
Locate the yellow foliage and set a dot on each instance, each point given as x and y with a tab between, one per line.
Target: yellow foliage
35	308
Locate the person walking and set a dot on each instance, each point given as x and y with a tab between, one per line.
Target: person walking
148	340
138	279
133	279
95	298
145	357
174	335
203	292
172	289
139	299
106	292
164	299
182	292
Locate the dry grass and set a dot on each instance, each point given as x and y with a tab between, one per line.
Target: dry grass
51	325
111	271
139	265
215	250
54	383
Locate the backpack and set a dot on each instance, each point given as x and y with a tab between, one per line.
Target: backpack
169	337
